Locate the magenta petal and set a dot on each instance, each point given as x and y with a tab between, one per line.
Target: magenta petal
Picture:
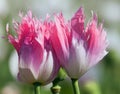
56	44
59	38
77	21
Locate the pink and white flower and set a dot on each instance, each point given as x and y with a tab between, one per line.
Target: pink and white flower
78	48
37	63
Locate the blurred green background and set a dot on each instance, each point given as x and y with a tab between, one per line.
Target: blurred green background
104	78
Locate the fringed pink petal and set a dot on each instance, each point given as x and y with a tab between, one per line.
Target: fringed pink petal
96	42
14	42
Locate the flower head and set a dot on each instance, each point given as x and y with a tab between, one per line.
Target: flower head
78	47
36	60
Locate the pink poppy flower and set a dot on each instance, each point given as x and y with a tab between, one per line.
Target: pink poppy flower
37	62
78	47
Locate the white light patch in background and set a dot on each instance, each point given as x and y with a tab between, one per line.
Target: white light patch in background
43	7
3	7
10	88
13	64
111	11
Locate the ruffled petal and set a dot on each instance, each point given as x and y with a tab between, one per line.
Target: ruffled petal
30	57
77	63
25	75
46	68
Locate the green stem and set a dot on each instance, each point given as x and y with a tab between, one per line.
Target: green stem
75	86
36	88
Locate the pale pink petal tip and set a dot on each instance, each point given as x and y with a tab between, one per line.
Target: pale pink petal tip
80	14
30	13
95	17
20	14
80	11
7	28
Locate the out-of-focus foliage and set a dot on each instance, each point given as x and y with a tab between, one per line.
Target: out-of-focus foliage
103	79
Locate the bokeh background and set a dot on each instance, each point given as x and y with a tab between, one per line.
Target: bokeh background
104	78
